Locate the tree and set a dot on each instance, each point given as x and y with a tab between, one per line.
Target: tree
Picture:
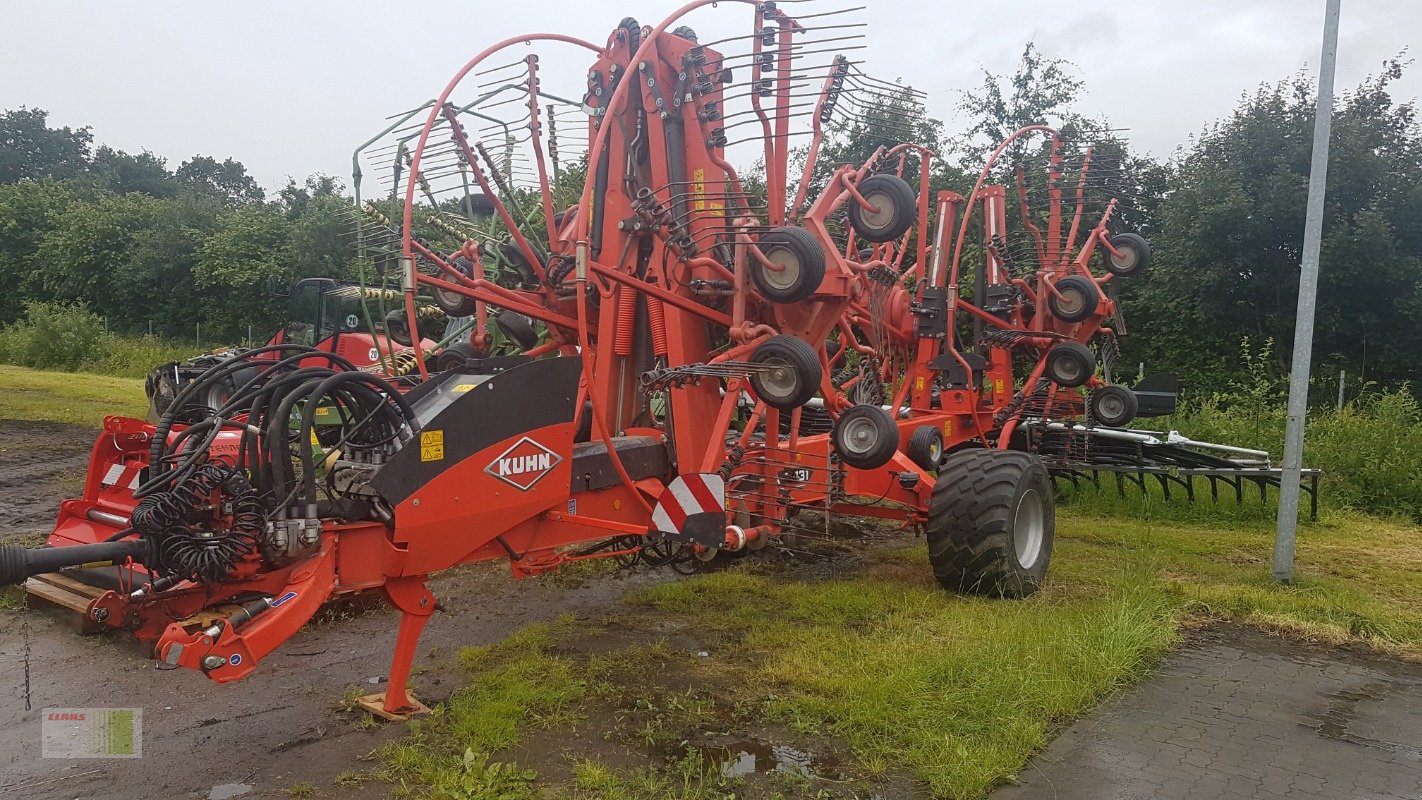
29	148
227	180
122	173
1040	91
1231	237
236	266
29	210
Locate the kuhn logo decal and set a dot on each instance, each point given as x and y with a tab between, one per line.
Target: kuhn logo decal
524	464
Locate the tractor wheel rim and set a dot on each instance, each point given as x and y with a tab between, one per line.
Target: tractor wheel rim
1029	525
935	451
1071	302
780	380
1067	370
884	216
860	436
789	275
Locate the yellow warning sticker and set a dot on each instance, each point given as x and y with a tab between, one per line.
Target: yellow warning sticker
919	384
698	188
948	428
432	446
461	388
997	386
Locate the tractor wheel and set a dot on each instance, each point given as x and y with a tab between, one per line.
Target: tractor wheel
865	437
1112	406
792	374
802	263
1134	255
1078	300
397	327
990	523
454	304
218	393
925	447
1070	364
455	356
518	328
897	208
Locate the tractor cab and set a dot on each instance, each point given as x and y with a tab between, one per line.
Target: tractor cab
344	318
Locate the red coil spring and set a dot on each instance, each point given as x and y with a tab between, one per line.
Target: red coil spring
657	317
626	319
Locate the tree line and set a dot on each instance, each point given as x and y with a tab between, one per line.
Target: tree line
149	247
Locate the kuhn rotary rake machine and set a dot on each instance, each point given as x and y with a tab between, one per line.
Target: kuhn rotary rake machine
720	359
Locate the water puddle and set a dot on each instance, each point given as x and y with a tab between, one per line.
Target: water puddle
752	756
227	791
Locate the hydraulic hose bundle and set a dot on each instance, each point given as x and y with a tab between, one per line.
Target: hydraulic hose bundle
200	514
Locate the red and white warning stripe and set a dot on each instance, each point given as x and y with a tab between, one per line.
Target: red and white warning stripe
121	475
697	493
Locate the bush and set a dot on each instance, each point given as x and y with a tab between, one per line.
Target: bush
54	336
72	338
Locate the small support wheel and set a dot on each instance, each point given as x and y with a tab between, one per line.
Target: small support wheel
791	375
452	303
925	447
1070	364
801	261
1112	406
1075	300
896	205
1134	255
991	522
518	328
865	437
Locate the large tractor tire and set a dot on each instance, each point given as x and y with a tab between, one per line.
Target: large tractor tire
990	523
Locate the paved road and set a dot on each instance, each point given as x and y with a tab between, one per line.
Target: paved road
1238	714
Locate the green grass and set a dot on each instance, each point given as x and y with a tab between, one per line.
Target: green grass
72	398
956	692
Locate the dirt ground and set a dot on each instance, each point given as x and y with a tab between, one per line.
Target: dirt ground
40	464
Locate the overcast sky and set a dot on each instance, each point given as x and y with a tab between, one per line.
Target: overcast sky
289	88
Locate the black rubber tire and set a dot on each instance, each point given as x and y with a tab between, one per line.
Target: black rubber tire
980	523
454	356
925	447
897	204
865	437
798	375
804	260
454	304
1079	299
397	327
1112	406
1070	364
517	328
1135	255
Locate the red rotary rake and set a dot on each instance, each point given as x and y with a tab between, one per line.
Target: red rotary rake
720	356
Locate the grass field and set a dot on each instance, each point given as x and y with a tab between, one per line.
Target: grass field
900	680
68	397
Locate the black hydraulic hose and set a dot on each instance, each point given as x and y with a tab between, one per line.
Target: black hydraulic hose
165	423
382	393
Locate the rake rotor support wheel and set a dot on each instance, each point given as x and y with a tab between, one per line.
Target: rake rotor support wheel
925	447
801	263
1131	257
1070	364
792	373
895	206
1113	406
865	437
1076	298
991	522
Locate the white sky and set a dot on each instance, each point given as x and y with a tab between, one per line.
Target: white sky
289	88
